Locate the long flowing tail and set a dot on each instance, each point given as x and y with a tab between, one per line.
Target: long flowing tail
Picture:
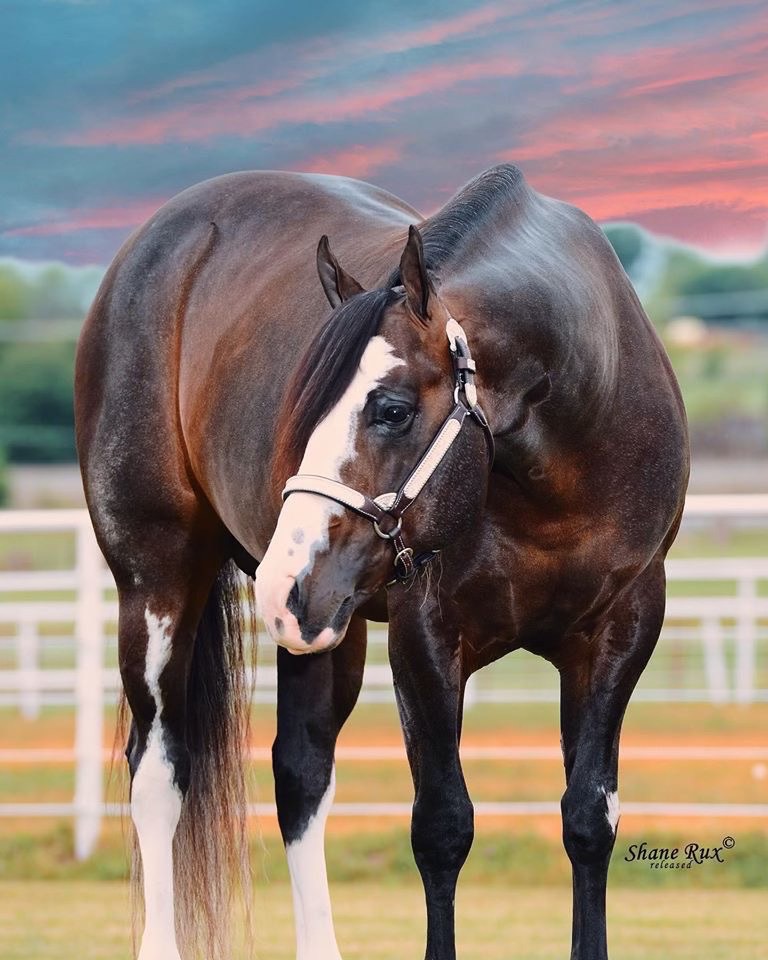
211	863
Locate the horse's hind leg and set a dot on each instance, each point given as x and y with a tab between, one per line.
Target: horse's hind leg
316	694
158	619
597	680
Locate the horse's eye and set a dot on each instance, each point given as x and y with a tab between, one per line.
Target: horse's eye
391	414
395	413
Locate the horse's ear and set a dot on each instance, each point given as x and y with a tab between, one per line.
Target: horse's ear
337	283
413	273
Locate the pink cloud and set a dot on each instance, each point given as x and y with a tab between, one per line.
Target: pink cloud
732	52
600	21
465	24
233	113
119	217
287	66
717	228
626	203
616	183
664	128
319	56
356	161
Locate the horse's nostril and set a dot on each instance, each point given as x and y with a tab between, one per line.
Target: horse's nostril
293	603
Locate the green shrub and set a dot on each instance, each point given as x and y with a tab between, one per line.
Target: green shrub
36	415
5	490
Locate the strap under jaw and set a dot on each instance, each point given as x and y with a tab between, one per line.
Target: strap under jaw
386	511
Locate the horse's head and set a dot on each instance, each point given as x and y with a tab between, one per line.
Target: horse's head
386	451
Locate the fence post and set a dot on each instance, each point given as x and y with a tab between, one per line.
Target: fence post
470	692
89	689
27	658
714	660
746	641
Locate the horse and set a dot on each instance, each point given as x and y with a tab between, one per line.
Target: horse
463	424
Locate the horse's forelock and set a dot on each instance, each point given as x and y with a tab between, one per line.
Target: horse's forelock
324	373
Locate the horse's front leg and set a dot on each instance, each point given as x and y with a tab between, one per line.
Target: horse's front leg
315	695
426	664
598	676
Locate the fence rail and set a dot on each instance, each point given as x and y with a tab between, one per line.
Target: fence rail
726	633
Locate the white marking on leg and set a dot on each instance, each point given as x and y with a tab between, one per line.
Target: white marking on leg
155	808
611	807
315	936
302	527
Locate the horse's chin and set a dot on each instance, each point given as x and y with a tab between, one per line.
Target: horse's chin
327	640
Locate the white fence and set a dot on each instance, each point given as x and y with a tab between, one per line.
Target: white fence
724	632
87	615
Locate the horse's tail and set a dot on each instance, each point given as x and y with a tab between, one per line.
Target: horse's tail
210	854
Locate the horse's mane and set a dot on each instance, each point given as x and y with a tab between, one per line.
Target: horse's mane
324	373
465	215
329	364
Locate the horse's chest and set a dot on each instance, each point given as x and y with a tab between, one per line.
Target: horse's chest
526	598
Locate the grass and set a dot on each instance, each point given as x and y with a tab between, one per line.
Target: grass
510	723
80	921
388	780
37	551
507	850
505	853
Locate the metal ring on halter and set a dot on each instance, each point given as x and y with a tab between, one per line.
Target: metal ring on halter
405	552
391	534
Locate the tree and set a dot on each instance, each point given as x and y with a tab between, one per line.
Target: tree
36	416
627	242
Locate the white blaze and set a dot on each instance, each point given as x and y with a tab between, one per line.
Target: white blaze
315	936
155	808
302	527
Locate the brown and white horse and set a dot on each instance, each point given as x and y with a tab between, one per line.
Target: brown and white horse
209	372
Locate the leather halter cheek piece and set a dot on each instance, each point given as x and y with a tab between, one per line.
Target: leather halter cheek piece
386	511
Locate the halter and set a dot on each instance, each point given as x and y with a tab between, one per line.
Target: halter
386	511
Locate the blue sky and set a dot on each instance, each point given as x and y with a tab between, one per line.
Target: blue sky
649	111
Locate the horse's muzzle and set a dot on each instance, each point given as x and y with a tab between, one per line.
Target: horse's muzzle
298	619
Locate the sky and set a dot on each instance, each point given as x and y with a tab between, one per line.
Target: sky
651	111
